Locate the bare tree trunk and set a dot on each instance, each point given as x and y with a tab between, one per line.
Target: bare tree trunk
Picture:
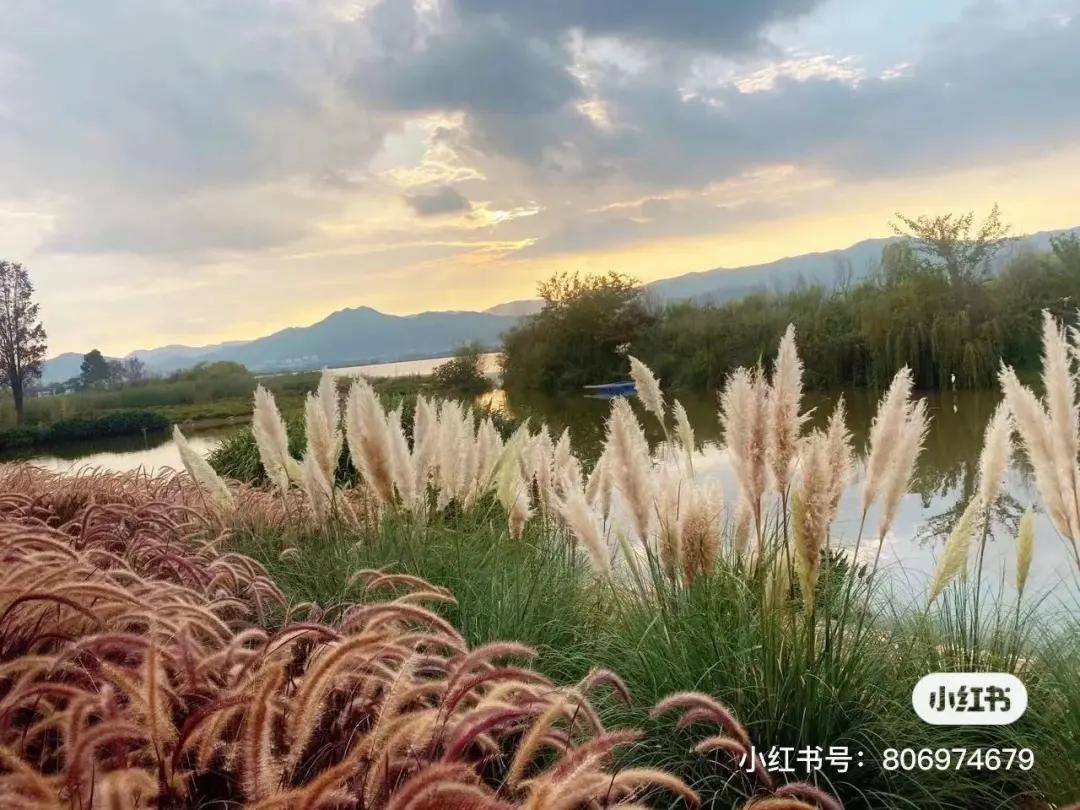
17	395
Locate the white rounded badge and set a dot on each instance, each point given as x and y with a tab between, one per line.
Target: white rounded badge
969	698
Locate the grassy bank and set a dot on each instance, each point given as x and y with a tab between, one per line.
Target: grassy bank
155	406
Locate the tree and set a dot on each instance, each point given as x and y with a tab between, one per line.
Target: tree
22	337
133	369
580	336
94	368
464	373
950	244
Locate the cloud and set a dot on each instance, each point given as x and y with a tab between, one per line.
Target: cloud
286	134
721	25
438	200
482	67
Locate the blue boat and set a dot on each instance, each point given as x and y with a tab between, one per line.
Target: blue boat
612	389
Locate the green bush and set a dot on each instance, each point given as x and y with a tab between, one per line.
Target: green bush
463	374
117	423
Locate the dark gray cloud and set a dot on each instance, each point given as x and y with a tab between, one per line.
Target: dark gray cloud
481	66
226	124
978	93
439	200
720	25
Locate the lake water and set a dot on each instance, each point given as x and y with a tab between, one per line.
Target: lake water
943	484
408	368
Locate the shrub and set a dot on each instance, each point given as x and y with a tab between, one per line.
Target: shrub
117	423
463	374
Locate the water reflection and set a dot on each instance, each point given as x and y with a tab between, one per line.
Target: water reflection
120	453
944	480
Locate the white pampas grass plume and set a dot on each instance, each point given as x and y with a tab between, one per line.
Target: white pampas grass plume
566	466
840	454
743	418
994	458
580	519
685	432
599	486
316	486
369	440
272	441
202	473
885	435
954	555
323	436
1061	408
539	459
511	486
630	465
1025	546
905	454
700	531
812	513
489	447
670	506
648	389
1036	435
783	417
425	441
404	474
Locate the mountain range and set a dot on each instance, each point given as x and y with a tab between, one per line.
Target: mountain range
361	335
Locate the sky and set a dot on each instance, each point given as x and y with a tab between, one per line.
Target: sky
192	171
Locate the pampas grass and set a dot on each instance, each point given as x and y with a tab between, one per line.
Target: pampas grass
322	425
995	455
782	411
897	479
886	433
648	390
812	513
511	486
202	473
685	432
630	466
1025	547
581	520
743	416
1050	432
369	440
272	440
955	554
700	527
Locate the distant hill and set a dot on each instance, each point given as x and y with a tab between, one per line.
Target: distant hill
60	368
365	335
526	306
347	337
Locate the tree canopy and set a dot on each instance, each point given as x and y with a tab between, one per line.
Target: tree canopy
581	334
22	337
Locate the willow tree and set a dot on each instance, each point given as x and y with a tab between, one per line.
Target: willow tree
22	337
